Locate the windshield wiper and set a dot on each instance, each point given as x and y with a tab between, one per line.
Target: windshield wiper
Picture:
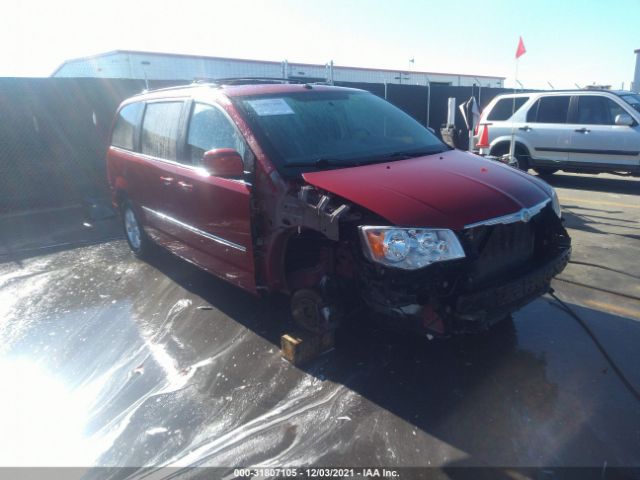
402	155
325	163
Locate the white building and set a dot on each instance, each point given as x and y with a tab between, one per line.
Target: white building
169	66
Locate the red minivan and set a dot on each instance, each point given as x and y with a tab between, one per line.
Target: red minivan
336	198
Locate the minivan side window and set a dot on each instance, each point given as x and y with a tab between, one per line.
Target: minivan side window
504	108
549	110
124	130
209	129
160	129
594	110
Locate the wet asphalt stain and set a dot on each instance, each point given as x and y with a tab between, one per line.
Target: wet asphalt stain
138	364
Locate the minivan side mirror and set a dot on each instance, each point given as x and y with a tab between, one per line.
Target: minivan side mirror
624	119
223	162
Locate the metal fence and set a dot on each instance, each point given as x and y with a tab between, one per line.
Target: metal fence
53	132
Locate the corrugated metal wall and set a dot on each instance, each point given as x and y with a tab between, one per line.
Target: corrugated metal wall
53	132
140	65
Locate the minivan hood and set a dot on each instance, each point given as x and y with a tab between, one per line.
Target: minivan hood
448	190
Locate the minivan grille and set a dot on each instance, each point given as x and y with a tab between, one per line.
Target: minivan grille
500	250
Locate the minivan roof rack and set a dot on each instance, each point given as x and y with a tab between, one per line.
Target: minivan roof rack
174	87
255	80
216	82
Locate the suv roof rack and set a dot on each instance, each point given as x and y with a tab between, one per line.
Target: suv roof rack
597	87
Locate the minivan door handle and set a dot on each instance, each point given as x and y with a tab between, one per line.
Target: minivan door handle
526	128
582	130
167	181
187	187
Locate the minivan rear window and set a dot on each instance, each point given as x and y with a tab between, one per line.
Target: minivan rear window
123	135
160	129
549	110
504	108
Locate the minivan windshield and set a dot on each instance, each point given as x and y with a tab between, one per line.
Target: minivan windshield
632	99
333	129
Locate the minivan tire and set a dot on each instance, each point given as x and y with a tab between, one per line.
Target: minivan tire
137	239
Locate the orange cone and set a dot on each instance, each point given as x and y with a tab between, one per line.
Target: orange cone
484	137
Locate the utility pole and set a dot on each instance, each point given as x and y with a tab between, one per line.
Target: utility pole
329	72
479	91
400	77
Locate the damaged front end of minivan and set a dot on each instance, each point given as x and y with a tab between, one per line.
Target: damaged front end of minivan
339	257
505	266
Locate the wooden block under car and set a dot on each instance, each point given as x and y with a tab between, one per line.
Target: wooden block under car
300	348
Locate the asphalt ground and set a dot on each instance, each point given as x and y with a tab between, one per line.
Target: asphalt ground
106	360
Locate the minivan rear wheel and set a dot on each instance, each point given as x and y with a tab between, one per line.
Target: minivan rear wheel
136	237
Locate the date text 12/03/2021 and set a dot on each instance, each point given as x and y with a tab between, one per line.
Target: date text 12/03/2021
373	472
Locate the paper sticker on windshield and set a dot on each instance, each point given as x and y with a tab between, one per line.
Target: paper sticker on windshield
271	106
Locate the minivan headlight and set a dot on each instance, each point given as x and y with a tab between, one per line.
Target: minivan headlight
410	248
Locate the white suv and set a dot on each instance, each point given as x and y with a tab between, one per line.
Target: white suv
588	131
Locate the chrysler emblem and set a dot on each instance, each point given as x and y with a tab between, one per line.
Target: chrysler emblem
525	216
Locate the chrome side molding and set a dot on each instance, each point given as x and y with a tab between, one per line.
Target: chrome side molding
197	231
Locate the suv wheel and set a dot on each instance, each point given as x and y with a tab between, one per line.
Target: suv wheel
136	237
544	171
521	160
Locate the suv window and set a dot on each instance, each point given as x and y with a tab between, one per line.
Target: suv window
209	128
504	108
595	110
549	110
632	99
125	127
160	129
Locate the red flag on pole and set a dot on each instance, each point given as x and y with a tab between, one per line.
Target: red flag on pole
521	50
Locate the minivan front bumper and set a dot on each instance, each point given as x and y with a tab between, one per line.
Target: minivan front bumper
479	310
475	311
507	267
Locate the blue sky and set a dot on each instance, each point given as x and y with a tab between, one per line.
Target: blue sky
567	41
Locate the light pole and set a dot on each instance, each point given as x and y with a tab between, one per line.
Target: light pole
144	64
428	97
